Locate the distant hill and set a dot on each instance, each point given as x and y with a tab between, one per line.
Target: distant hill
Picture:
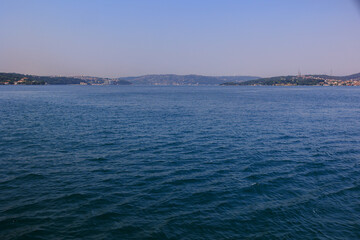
103	81
16	78
355	76
165	79
23	79
312	80
173	79
236	78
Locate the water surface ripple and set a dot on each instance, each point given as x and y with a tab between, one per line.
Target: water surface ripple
133	162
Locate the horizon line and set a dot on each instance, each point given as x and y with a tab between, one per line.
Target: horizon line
224	75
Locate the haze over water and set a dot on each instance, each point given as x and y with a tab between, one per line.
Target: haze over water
136	162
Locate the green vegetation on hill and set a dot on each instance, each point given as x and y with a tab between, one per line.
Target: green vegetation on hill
16	78
307	80
286	80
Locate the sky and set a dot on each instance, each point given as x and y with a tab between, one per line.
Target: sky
117	38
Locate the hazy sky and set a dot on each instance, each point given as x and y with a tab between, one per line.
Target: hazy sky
224	37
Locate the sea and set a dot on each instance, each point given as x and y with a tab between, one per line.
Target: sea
179	162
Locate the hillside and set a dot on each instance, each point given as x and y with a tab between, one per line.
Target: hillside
306	80
23	79
173	79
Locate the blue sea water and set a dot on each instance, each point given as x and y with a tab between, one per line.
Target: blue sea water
137	162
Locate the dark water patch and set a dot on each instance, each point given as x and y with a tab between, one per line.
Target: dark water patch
25	178
98	159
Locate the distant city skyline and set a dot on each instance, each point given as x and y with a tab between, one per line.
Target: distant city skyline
214	38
